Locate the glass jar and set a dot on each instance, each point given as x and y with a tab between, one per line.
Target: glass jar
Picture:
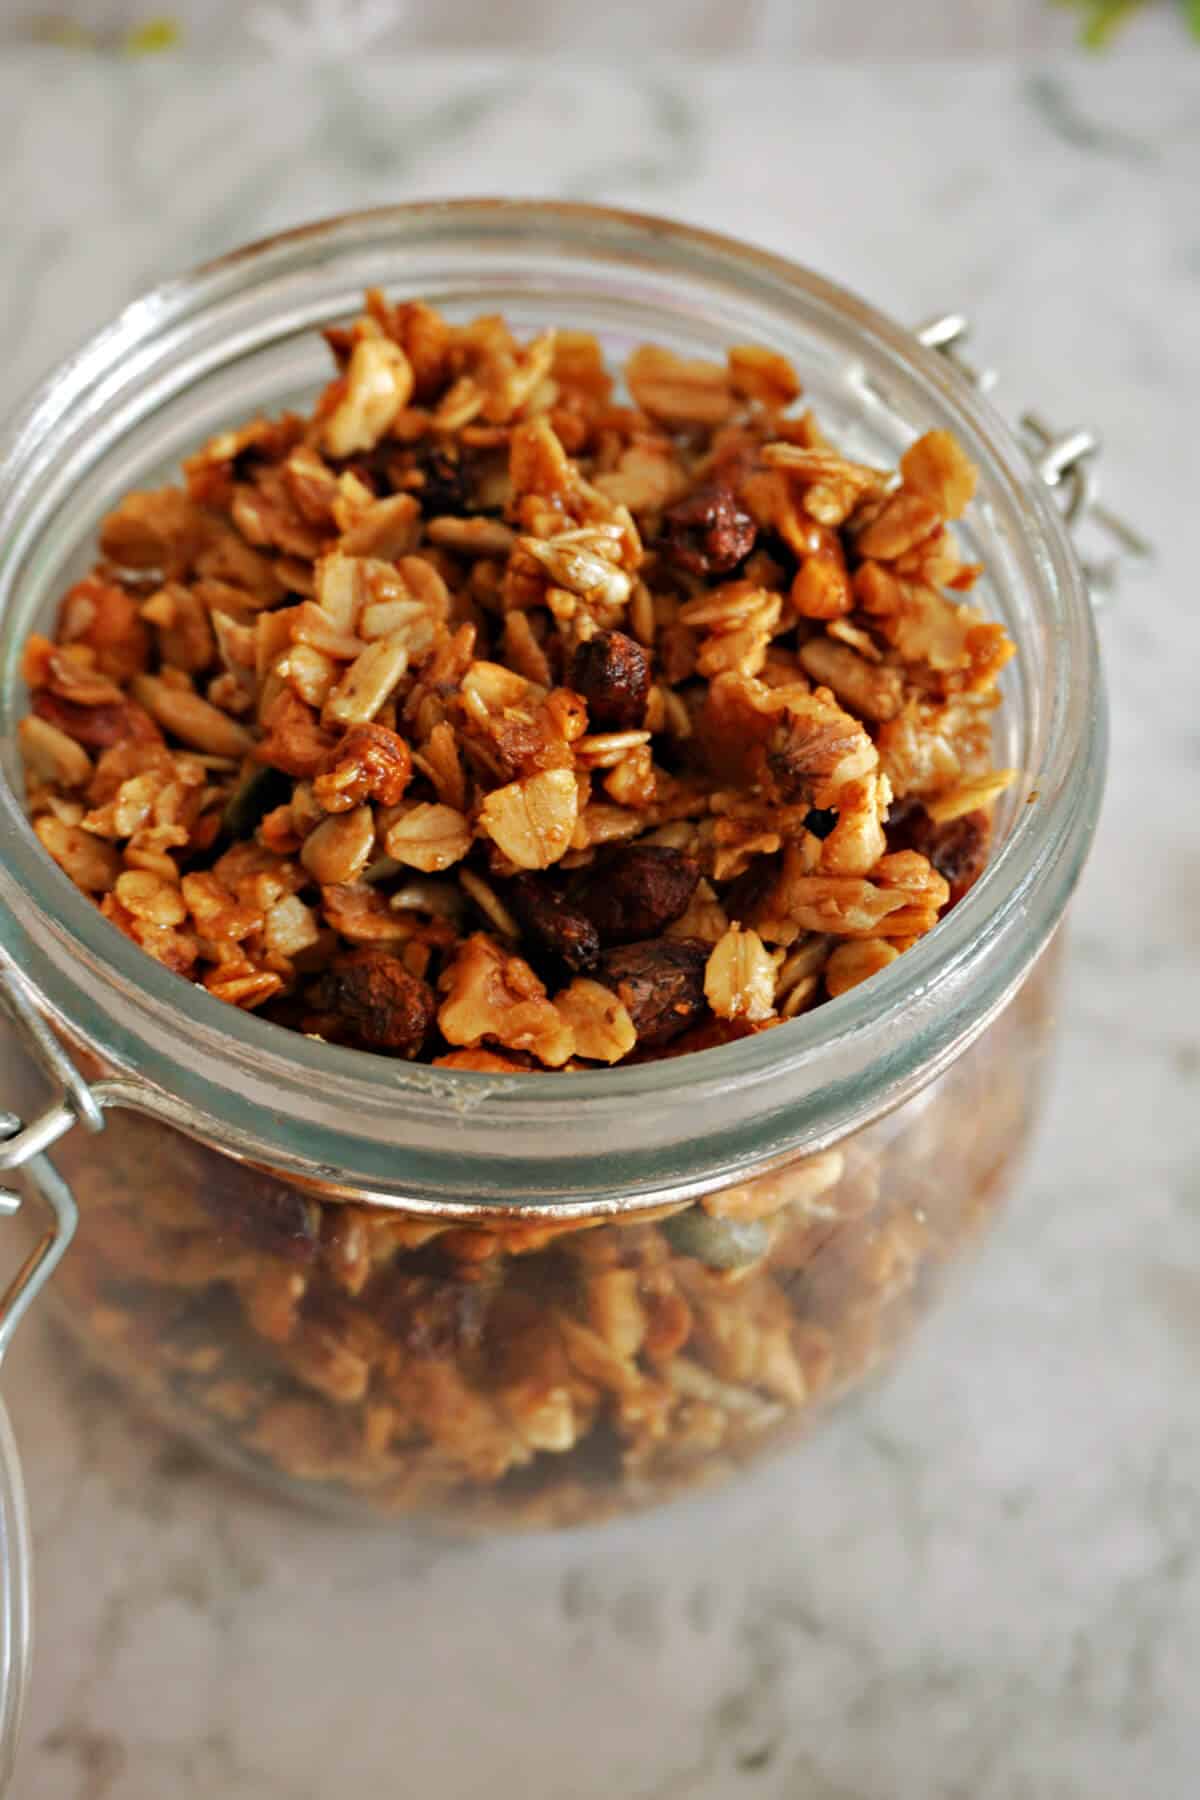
480	1299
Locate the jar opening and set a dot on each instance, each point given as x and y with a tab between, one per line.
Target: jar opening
125	405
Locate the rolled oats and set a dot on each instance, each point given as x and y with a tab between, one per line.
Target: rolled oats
674	696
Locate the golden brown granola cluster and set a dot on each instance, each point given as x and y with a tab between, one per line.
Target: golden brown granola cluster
487	718
531	1372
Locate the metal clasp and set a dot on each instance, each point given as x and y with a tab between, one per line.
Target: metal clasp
23	1146
1066	461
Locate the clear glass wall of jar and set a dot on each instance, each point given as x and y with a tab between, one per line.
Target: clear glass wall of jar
478	1298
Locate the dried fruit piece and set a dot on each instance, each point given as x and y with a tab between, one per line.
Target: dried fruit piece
660	983
544	909
636	891
376	1001
254	1207
708	533
444	485
612	672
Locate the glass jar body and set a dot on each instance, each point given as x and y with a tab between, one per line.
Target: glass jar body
472	1297
520	1373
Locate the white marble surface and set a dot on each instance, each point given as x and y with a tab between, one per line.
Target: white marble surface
983	1582
296	28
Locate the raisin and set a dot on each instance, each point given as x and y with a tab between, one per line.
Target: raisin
543	908
259	1210
660	984
434	1316
374	999
612	672
708	533
636	891
747	896
821	821
445	486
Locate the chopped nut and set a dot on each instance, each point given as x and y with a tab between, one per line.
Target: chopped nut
492	994
583	562
369	763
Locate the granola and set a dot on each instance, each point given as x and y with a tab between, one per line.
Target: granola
573	660
533	1373
490	719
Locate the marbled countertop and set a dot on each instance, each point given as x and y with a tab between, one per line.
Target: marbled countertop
983	1582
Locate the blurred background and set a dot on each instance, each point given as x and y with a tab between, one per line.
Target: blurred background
816	27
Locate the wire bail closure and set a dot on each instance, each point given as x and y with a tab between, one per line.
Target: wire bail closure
23	1146
1065	461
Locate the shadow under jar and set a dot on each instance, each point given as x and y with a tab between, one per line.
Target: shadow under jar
479	1299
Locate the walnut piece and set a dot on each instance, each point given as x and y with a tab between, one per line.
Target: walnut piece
493	996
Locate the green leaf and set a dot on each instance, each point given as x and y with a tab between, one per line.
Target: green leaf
1101	19
1104	18
152	36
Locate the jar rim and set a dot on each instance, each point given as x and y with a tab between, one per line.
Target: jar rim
343	1117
